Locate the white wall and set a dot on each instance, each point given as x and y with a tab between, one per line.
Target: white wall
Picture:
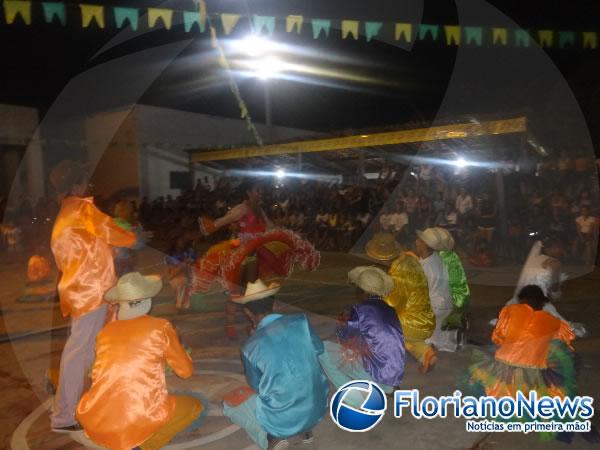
164	135
18	126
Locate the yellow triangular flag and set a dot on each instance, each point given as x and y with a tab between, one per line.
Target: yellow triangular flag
546	37
292	22
13	8
160	13
404	29
499	34
350	27
89	12
452	34
229	22
590	39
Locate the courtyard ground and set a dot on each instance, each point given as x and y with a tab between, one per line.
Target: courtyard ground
32	336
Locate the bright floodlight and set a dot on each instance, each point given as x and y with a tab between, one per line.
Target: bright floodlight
254	45
460	162
280	173
265	68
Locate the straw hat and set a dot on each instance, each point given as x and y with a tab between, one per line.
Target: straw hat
133	287
256	291
372	280
447	239
383	247
432	237
134	294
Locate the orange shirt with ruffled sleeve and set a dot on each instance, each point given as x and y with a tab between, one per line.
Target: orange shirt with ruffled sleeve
82	241
524	335
128	401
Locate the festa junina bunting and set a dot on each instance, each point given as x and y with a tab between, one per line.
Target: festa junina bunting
100	16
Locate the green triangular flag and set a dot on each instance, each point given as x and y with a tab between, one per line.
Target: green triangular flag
372	29
321	25
190	18
54	9
566	37
425	29
267	22
123	14
473	34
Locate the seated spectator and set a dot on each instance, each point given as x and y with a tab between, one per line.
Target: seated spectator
287	394
371	344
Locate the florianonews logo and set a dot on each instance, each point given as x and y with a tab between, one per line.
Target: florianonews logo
358	406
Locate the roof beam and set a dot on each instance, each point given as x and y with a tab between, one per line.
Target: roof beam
456	131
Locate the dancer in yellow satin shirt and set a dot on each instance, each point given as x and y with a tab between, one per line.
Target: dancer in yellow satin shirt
410	299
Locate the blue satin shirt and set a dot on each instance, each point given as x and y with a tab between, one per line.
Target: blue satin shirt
282	366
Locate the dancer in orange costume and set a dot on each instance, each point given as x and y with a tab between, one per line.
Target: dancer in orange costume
82	242
128	404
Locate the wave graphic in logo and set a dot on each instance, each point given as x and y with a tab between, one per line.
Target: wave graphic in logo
358	406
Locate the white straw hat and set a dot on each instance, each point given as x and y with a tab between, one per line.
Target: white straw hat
432	237
372	280
447	243
256	291
133	287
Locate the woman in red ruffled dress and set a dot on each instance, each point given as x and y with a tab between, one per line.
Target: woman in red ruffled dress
261	251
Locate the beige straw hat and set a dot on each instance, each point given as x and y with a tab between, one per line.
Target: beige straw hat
256	291
371	280
432	237
133	287
383	247
447	243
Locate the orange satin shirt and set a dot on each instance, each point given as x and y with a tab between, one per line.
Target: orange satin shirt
524	335
128	401
81	242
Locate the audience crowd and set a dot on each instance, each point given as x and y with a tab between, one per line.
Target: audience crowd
556	198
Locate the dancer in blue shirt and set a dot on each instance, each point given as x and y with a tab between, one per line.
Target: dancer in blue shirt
281	361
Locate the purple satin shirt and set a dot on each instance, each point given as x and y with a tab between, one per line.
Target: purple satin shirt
377	326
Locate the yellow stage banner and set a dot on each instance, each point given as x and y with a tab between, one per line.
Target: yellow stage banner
443	132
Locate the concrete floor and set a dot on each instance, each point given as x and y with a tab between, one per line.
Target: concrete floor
322	294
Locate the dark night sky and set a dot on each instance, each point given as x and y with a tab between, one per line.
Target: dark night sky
39	60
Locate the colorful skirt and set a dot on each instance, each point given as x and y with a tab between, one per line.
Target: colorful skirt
278	252
487	376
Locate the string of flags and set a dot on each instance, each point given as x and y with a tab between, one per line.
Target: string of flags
101	16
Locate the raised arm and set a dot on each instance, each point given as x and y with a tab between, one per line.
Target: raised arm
232	216
103	227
